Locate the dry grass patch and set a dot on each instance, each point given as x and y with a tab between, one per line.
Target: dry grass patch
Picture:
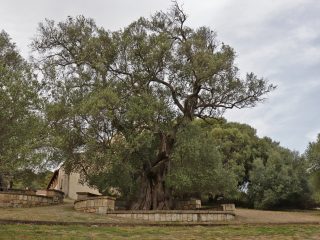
274	217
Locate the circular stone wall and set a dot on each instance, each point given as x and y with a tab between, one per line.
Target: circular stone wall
101	204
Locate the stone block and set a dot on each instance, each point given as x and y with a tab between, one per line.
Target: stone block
102	210
228	207
98	203
184	217
151	217
92	210
79	205
194	217
112	204
174	217
157	217
90	203
230	217
210	217
7	197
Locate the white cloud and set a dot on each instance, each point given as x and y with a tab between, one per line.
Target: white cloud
312	135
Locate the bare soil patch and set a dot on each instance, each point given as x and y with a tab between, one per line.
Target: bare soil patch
276	217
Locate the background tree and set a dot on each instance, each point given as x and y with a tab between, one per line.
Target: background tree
197	168
29	179
239	146
138	87
19	118
313	156
279	182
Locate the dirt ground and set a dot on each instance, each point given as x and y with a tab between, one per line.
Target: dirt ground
66	213
273	217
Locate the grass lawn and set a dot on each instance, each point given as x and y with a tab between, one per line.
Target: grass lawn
249	224
241	232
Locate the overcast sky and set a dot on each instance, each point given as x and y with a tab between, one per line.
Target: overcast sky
276	39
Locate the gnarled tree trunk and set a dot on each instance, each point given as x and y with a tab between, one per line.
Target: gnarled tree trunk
153	192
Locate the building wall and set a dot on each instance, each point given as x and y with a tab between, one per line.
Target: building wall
61	183
75	186
69	184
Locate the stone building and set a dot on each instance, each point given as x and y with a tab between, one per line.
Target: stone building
69	184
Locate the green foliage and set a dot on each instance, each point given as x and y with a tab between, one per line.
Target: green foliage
27	178
281	181
21	126
197	167
238	145
315	186
313	156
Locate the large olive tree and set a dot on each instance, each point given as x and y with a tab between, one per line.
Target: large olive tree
118	99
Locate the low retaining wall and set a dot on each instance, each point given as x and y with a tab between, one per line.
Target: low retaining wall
176	215
191	204
106	205
99	205
19	199
228	207
55	194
